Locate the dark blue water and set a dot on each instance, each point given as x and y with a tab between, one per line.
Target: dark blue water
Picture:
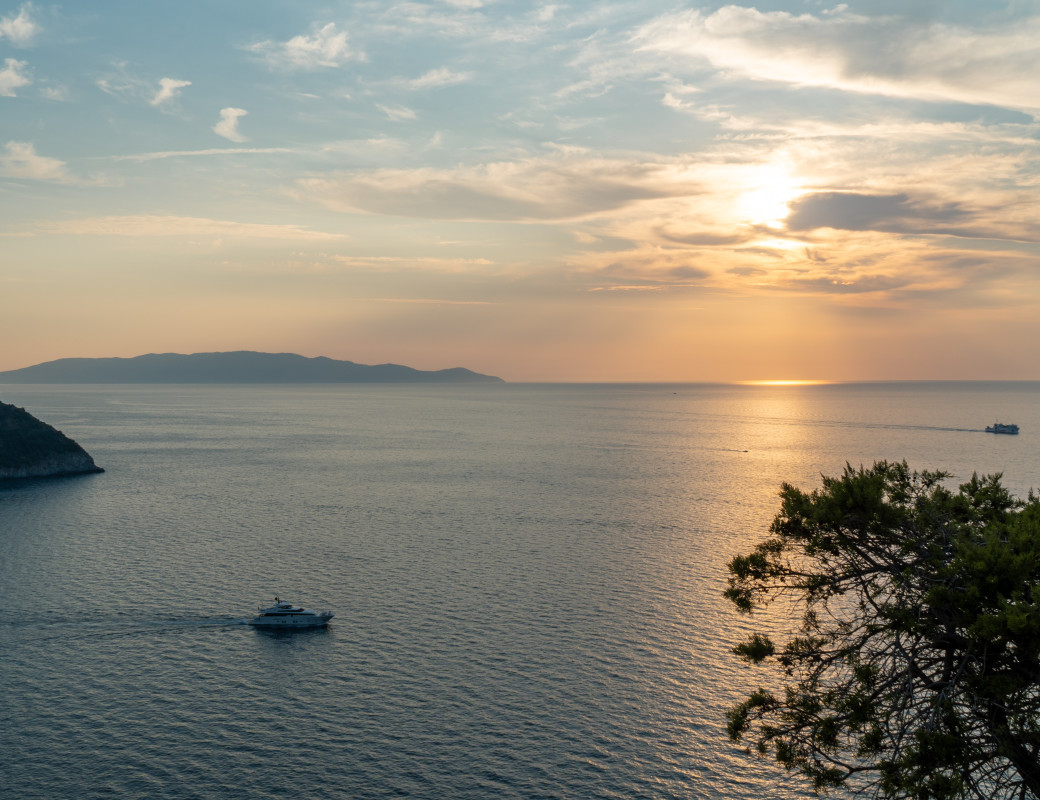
526	581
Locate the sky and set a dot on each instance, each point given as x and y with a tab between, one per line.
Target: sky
542	191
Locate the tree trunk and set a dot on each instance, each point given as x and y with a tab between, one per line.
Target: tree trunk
1011	747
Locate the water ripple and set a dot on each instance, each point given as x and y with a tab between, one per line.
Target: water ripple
526	584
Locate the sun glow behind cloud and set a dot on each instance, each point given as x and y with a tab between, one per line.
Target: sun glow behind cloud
770	188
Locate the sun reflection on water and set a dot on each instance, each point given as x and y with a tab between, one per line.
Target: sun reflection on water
785	382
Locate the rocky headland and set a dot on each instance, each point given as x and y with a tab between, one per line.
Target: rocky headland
30	448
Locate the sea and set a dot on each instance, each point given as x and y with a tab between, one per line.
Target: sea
526	579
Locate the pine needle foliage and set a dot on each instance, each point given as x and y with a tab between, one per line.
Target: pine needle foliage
914	671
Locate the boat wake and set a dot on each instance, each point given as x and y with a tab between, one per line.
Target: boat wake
891	427
70	629
222	622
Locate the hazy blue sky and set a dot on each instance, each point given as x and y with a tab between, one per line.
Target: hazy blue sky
543	191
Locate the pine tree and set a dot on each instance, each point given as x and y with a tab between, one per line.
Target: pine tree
915	668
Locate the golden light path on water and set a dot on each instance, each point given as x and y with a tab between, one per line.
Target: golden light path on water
787	382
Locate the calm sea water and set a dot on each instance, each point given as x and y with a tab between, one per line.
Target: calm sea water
526	581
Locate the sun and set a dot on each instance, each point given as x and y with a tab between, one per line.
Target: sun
769	188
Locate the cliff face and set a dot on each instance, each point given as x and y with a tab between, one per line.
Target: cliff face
30	448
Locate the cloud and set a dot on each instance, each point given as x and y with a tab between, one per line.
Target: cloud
568	185
410	262
880	270
162	226
122	84
857	284
169	88
871	215
438	77
325	47
397	113
12	77
899	213
228	124
378	147
491	23
20	160
215	151
712	237
671	101
56	92
862	212
546	13
20	29
860	269
430	301
885	55
646	268
638	288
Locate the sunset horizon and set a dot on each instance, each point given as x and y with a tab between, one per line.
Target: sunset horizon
769	382
414	398
546	192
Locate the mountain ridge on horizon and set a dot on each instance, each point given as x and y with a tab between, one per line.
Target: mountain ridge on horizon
239	366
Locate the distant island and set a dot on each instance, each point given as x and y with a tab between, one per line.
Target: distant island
236	367
30	448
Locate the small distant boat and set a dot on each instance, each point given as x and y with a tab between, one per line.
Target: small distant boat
1000	427
284	614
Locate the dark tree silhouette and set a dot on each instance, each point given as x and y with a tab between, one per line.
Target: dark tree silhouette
914	671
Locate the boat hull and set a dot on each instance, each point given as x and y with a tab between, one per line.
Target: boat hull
300	621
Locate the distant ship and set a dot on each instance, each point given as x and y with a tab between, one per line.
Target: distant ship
1000	427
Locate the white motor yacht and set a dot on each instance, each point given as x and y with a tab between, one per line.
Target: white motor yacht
284	614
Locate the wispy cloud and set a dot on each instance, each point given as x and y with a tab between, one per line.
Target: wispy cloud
546	12
435	78
641	288
568	185
323	47
227	126
13	76
169	88
215	151
20	160
885	55
19	29
367	148
398	113
122	83
425	263
429	301
163	226
57	92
